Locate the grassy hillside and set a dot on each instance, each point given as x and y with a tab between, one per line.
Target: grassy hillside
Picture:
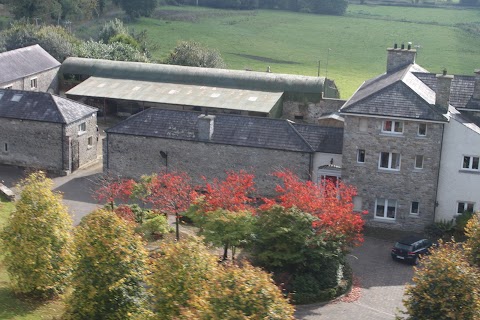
294	42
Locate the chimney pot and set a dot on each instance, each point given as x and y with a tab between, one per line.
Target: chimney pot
442	94
395	46
409	45
403	46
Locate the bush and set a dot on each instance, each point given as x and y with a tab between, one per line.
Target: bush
440	230
110	29
154	227
472	245
461	221
191	53
125	39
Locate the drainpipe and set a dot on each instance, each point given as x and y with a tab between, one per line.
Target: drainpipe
438	177
310	166
63	146
106	152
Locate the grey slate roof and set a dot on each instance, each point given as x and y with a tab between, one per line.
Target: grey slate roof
41	106
460	93
23	62
398	94
235	130
322	139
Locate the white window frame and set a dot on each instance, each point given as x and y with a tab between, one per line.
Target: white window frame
418	131
385	208
416	162
82	128
8	87
418	208
465	206
359	152
394	124
390	157
34	83
89	142
470	163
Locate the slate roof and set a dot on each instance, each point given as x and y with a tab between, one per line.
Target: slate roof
235	130
322	139
397	94
23	62
460	93
41	106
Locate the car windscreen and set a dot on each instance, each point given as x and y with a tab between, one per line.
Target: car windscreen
402	246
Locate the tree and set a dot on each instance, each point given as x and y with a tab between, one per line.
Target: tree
445	287
472	245
110	29
169	193
138	8
111	189
37	240
48	10
179	273
110	269
191	53
116	51
239	292
331	204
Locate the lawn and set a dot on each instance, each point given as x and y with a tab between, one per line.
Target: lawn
294	42
10	306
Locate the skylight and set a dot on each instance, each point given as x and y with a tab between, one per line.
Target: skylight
16	97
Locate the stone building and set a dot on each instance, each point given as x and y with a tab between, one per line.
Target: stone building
400	135
209	145
44	131
30	68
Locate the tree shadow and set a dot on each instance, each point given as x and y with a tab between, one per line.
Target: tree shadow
12	307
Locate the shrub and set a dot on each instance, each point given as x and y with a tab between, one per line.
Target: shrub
154	227
472	245
191	53
440	230
110	29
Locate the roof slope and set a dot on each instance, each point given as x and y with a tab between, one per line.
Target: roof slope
19	63
41	106
237	79
322	139
235	130
397	94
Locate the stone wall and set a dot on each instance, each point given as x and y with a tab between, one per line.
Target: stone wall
31	144
133	156
307	112
406	185
47	81
77	140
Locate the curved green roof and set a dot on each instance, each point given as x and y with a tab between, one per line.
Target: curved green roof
249	80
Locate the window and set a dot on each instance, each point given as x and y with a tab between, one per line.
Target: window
422	129
385	208
465	207
33	83
16	97
360	155
363	125
418	162
5	147
414	208
89	142
298	117
8	87
470	162
390	126
357	203
389	160
82	128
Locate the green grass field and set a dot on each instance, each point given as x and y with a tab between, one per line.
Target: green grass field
10	306
294	42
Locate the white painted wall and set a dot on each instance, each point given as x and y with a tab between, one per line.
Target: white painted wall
322	159
454	183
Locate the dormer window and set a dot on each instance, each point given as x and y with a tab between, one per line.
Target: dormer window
390	126
16	97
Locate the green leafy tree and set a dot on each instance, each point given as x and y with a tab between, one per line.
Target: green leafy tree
239	292
113	51
37	240
108	279
193	54
472	245
179	273
445	287
112	28
138	8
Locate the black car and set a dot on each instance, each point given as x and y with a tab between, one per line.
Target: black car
410	248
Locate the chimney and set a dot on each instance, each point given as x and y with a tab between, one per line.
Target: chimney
205	127
476	90
442	95
398	58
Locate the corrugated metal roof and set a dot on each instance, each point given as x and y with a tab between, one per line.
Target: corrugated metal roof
23	62
248	80
236	130
41	106
177	94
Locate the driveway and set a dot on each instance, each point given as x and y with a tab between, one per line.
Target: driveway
382	284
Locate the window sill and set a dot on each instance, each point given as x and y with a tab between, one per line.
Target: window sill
386	220
414	215
388	134
81	133
382	170
89	147
417	169
469	171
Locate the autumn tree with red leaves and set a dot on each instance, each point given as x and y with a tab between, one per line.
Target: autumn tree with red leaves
331	203
170	193
111	189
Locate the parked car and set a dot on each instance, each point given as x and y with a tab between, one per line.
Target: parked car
410	248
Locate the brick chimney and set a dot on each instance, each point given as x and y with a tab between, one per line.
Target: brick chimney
398	58
442	94
476	90
205	126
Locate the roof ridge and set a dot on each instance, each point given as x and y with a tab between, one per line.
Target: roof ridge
64	121
290	123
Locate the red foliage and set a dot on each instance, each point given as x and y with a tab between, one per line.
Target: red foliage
331	204
231	194
125	212
170	193
111	190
